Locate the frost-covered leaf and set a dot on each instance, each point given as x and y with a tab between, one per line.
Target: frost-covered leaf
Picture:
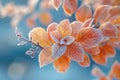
22	43
31	52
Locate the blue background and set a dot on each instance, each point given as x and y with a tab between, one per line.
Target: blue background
13	59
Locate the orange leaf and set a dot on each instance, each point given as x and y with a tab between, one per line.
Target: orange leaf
75	51
108	30
56	3
45	57
115	70
101	58
62	64
114	10
110	51
97	72
39	36
69	6
85	62
89	37
51	27
83	13
76	26
64	28
100	13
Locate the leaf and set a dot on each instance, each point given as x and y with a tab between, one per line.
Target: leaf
64	28
56	3
62	64
39	36
108	30
58	50
69	6
76	26
100	58
31	52
85	62
45	57
83	13
75	52
22	43
89	37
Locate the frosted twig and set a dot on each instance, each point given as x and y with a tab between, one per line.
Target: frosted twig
23	41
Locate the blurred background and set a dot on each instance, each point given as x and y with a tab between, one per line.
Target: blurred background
16	65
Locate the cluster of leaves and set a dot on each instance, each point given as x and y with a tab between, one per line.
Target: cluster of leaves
96	32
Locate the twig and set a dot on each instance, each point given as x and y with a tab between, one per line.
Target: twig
23	41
